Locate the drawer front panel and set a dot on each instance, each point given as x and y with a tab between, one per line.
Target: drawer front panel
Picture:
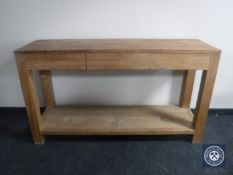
146	61
51	61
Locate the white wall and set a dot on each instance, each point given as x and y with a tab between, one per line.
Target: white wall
26	20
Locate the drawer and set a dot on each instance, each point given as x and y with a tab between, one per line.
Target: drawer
54	61
146	61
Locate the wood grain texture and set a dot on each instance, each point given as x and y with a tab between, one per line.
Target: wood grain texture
71	61
122	120
146	61
47	88
204	97
187	88
118	45
31	101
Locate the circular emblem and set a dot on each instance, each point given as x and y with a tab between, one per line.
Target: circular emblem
214	155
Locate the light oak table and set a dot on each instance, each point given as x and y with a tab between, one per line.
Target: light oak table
188	55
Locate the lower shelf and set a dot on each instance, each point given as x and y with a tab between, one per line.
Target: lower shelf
117	120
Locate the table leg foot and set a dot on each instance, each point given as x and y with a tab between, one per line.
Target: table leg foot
39	141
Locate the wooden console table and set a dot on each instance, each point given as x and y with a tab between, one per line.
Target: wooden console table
117	54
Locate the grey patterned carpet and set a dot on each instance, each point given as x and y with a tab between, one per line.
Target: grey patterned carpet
123	155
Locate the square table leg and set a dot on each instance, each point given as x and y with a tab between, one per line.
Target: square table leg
204	97
47	88
187	88
31	100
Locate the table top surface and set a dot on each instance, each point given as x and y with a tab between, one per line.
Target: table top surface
118	46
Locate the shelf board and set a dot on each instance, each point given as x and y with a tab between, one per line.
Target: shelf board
117	120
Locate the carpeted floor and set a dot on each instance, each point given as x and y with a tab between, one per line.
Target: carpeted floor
108	155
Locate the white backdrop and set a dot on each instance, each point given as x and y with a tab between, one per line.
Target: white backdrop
26	20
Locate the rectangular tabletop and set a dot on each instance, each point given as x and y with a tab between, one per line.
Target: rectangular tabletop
118	46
